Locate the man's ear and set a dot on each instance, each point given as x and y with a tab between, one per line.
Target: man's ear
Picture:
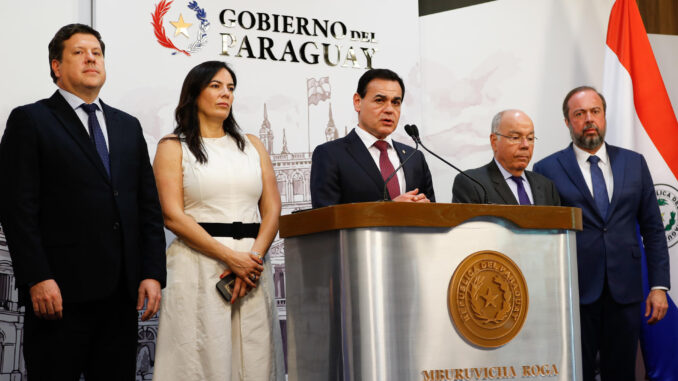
56	67
356	102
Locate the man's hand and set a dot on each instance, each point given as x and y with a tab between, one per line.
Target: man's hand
412	196
46	298
657	304
149	290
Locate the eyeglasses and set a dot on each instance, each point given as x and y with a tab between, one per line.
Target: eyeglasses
515	139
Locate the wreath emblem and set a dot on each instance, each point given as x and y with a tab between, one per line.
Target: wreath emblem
478	307
488	299
667	200
159	29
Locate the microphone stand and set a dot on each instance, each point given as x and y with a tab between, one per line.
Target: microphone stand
415	137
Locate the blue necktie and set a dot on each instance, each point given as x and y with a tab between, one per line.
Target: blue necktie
97	135
599	188
522	194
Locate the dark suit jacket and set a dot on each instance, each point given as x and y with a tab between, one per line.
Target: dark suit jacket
342	171
498	192
609	244
64	218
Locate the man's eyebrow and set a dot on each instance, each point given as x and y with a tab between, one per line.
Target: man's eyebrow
378	95
84	47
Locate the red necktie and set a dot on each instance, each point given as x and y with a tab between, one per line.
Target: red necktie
387	169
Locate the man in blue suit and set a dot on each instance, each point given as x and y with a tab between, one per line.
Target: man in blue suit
614	189
82	220
354	168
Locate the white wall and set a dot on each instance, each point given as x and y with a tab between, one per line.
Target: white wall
524	54
666	52
29	25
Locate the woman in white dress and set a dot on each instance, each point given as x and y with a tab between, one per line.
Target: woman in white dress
219	196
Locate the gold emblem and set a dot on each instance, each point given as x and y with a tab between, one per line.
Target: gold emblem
487	299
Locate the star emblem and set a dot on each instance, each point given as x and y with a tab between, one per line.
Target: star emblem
490	298
181	26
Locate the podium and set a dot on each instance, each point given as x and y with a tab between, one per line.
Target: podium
400	291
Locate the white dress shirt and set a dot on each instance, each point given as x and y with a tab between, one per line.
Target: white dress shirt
604	165
369	139
75	102
512	184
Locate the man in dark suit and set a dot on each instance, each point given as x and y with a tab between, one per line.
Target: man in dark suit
614	189
354	168
82	220
505	178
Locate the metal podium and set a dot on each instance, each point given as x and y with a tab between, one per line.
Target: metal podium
399	291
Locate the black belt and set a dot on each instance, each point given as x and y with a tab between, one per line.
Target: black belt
237	230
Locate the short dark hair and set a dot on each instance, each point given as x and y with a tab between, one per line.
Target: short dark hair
371	74
56	46
566	108
186	113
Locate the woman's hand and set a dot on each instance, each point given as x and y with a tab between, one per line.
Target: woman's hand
246	266
240	288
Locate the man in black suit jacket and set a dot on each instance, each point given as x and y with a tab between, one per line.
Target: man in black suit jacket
505	178
82	220
353	169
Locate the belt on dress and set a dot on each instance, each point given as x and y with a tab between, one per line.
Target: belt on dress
237	230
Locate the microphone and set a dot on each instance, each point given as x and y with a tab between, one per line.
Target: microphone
413	131
416	147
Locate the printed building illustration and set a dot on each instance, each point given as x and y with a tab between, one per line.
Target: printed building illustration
11	320
293	174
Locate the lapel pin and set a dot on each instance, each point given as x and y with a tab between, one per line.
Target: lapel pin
403	152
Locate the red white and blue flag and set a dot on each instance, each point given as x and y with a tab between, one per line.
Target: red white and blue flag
640	117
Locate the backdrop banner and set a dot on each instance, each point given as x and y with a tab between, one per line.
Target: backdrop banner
298	64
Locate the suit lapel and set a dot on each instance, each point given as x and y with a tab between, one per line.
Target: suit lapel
356	148
114	138
569	162
538	193
617	163
500	185
71	123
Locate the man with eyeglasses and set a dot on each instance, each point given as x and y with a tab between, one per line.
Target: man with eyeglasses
615	192
505	178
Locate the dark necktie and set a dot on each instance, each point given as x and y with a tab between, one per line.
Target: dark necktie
599	188
96	135
387	169
523	199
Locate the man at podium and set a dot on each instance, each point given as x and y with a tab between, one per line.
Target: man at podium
505	178
354	168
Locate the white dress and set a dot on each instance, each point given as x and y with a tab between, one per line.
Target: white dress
200	335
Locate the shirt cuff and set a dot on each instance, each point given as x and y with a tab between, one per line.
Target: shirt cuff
660	288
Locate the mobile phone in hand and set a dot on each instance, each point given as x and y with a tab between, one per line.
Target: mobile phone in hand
225	286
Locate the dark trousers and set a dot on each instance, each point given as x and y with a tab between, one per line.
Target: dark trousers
612	329
97	339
